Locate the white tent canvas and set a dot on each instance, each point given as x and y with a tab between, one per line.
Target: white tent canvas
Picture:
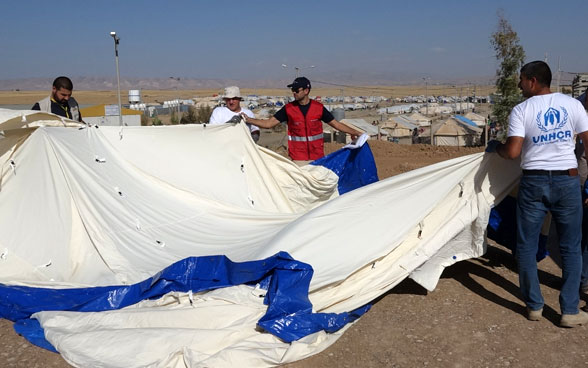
90	207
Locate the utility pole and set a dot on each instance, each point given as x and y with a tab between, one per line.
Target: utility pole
297	68
558	72
431	131
177	79
426	97
116	42
460	108
474	98
459	97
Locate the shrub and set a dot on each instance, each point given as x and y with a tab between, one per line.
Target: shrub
174	120
156	121
196	115
144	120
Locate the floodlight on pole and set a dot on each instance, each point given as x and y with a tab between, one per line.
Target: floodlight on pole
116	42
426	79
177	79
457	98
297	68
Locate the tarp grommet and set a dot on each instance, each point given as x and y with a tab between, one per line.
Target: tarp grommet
13	166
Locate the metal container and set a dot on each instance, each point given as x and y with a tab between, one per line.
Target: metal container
134	96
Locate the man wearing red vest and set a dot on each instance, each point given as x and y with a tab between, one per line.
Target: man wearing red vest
305	127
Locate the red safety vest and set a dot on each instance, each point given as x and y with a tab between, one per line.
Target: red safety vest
305	134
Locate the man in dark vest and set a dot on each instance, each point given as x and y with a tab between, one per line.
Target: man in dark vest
60	101
305	119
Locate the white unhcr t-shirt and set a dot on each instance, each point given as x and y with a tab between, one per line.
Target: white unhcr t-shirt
222	114
548	124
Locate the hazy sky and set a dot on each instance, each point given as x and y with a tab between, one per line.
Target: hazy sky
249	40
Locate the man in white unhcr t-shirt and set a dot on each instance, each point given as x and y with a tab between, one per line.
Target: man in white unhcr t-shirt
541	130
223	114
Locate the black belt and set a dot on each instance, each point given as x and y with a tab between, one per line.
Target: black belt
568	172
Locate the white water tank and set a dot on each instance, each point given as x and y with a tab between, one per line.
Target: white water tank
134	96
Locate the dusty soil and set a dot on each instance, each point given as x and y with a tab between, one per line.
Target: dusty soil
149	96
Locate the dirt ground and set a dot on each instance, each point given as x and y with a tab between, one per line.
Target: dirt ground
474	318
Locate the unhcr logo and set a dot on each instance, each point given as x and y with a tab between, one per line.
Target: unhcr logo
550	123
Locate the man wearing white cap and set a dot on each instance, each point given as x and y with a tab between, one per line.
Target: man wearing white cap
224	114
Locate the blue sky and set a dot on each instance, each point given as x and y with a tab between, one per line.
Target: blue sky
344	40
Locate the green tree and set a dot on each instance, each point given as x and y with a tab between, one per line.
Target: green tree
511	56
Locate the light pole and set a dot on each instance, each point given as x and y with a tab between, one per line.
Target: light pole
455	86
426	96
298	68
460	108
116	42
177	79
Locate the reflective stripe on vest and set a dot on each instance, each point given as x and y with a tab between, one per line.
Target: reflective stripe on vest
305	139
305	132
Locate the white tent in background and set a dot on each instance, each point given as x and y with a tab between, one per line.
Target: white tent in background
420	119
364	127
437	110
399	129
476	118
454	132
82	207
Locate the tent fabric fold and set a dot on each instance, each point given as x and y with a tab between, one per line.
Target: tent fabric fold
106	213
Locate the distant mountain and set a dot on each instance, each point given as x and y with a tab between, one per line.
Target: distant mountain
335	79
99	83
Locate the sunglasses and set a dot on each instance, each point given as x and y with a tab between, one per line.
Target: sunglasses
296	90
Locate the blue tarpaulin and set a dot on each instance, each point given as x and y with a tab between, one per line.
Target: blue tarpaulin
289	315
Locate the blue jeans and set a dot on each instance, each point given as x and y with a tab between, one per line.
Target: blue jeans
562	196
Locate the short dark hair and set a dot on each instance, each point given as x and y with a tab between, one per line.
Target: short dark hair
63	82
538	70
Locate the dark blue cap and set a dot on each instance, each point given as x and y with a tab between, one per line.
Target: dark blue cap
300	82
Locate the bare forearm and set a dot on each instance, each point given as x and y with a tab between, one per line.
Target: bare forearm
263	123
511	149
344	128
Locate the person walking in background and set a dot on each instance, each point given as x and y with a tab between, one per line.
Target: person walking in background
582	164
583	172
541	131
60	102
232	108
305	127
